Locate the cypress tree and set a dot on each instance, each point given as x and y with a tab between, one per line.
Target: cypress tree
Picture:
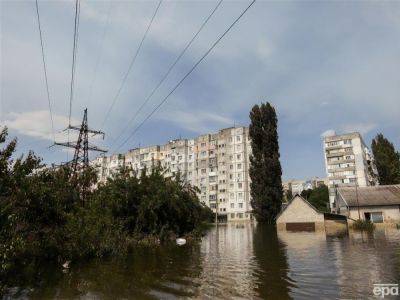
387	160
265	168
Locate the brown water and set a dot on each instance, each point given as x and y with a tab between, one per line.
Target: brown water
237	262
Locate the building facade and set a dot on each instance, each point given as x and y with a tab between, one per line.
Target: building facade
348	162
216	163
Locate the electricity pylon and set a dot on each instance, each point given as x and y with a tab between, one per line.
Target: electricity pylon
81	146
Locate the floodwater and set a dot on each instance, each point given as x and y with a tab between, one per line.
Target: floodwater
237	262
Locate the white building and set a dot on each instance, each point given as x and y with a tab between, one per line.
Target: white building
218	164
348	162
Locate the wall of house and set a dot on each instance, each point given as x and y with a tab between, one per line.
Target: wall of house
299	211
391	214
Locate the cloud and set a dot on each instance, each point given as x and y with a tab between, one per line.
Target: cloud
362	128
37	124
329	132
197	121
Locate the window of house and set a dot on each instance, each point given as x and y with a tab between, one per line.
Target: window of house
240	195
240	205
232	205
377	217
232	216
238	156
240	185
238	138
239	166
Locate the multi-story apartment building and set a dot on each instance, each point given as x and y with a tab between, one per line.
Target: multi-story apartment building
218	164
348	162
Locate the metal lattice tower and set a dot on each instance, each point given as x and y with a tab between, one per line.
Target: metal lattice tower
82	146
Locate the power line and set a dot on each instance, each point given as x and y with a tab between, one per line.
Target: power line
105	29
131	65
170	69
45	70
186	75
74	50
76	29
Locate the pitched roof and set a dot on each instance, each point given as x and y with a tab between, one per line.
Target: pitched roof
284	207
371	195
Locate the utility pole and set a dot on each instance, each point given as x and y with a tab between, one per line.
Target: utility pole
358	204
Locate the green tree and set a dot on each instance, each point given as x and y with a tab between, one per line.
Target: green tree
319	198
387	160
265	168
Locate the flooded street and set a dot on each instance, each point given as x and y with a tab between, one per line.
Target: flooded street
238	261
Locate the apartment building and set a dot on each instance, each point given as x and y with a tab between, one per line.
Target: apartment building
216	163
348	162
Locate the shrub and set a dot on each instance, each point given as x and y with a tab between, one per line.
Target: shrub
364	225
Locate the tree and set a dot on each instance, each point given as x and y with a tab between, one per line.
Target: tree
265	168
387	160
319	198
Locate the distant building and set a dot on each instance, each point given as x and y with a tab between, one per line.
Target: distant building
297	186
216	163
379	204
348	162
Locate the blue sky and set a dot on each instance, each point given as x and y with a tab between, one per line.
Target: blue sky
323	65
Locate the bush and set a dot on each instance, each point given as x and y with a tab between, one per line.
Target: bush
364	225
46	214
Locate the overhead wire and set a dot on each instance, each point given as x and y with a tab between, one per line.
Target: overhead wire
185	76
73	67
131	64
45	71
169	70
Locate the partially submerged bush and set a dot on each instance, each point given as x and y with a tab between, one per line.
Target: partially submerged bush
365	225
47	215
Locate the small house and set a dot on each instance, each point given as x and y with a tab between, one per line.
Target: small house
299	215
378	204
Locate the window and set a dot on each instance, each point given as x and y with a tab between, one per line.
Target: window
212	197
376	217
240	185
239	215
347	142
232	216
239	156
238	138
203	144
232	205
240	195
231	167
239	166
240	205
231	195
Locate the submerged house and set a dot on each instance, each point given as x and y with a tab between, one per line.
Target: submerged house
379	204
300	215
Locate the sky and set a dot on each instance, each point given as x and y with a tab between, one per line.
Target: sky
324	65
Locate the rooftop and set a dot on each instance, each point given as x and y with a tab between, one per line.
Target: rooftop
377	195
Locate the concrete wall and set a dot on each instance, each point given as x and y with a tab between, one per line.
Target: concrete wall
299	211
335	227
391	214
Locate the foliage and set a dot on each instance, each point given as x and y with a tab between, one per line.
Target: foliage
364	225
319	198
387	160
288	195
46	214
306	193
265	168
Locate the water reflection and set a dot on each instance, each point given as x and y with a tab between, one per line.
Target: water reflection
235	261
